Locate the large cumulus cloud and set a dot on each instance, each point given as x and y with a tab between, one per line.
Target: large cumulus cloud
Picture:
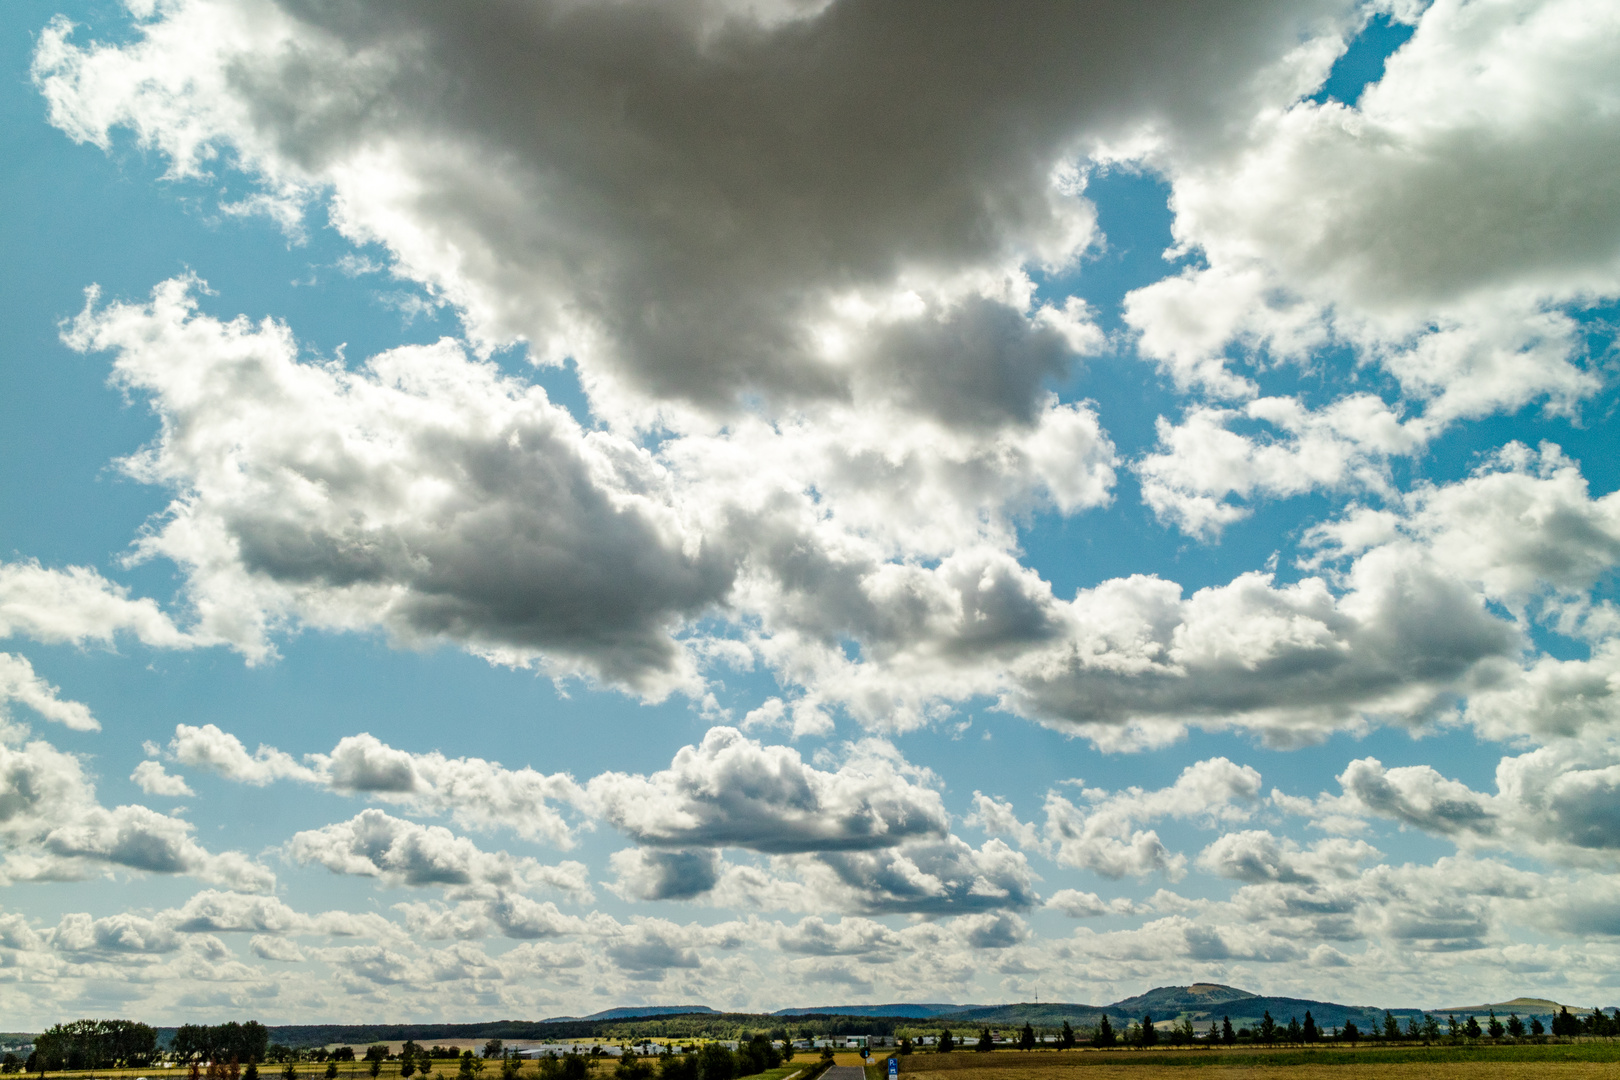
690	199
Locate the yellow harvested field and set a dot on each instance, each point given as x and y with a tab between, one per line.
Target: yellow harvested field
1449	1070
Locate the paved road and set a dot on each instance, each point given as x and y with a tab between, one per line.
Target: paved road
844	1072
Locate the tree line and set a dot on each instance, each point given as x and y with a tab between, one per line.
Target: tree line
1428	1029
94	1044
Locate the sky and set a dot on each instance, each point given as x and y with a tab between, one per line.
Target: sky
516	508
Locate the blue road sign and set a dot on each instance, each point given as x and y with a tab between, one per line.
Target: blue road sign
894	1067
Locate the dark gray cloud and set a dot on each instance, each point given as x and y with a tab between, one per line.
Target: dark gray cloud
647	874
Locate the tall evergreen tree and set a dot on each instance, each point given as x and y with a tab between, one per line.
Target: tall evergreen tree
1149	1036
946	1043
1268	1028
1309	1033
1493	1026
1294	1033
1392	1027
1066	1042
1228	1036
1104	1036
1026	1038
987	1042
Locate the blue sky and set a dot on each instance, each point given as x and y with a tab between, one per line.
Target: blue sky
520	530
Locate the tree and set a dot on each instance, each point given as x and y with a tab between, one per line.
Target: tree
95	1044
331	1070
1026	1038
377	1052
407	1064
987	1043
1471	1029
1149	1036
1295	1033
1104	1036
493	1048
1066	1040
251	1072
1351	1033
787	1048
905	1048
291	1071
946	1043
1268	1028
466	1063
1392	1027
1494	1027
630	1067
1228	1036
511	1065
375	1070
1515	1026
715	1062
1536	1026
1453	1028
1414	1030
1565	1024
1431	1027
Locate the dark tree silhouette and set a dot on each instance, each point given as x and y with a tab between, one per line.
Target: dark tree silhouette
987	1042
1104	1035
1228	1036
1066	1042
946	1043
1026	1038
1149	1036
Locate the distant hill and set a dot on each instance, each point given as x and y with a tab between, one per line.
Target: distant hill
628	1012
1175	1000
1524	1006
909	1010
1202	1003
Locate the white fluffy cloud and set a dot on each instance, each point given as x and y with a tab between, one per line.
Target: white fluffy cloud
155	780
78	605
374	844
54	828
18	682
732	791
1413	224
476	793
1106	836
